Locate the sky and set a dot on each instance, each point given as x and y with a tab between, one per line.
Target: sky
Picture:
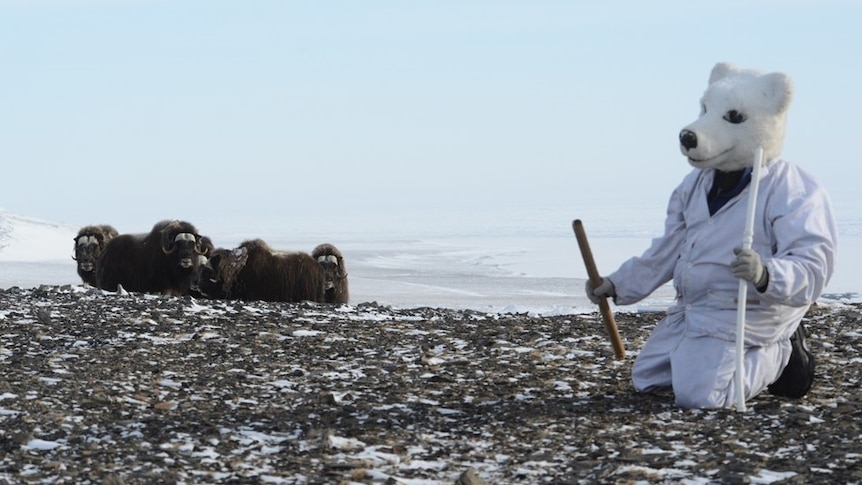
378	116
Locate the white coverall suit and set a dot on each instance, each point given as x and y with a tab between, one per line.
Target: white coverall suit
693	348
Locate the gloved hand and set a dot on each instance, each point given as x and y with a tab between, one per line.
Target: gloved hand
747	266
605	289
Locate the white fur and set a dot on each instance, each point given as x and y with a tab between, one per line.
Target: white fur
762	99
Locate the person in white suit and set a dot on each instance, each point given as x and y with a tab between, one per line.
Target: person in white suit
692	350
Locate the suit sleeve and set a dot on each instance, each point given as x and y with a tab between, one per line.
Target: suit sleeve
805	236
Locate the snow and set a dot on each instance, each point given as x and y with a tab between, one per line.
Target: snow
306	333
767	476
24	239
42	445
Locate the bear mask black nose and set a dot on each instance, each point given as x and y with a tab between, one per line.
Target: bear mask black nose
688	139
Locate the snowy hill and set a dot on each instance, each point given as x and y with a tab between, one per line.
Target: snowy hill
24	239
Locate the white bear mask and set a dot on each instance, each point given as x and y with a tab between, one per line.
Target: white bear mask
741	110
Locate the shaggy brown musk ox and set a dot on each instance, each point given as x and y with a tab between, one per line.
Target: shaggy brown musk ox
163	261
254	271
332	262
89	244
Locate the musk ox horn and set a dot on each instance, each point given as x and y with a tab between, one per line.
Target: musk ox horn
183	236
85	240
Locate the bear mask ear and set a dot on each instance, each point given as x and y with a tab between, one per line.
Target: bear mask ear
778	90
721	71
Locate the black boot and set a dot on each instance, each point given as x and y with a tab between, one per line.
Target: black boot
797	377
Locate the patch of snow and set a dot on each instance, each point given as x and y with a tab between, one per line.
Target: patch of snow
49	381
768	476
345	444
170	383
42	445
306	333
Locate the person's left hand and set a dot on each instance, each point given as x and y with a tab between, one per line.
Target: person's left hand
747	266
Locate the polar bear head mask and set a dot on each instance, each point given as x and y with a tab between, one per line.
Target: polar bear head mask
741	110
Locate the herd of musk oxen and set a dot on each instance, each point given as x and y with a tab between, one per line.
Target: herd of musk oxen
173	259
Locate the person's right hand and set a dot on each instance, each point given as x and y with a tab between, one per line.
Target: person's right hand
606	289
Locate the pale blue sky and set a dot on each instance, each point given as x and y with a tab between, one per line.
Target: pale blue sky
324	116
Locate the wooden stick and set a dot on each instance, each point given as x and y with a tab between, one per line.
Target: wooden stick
596	280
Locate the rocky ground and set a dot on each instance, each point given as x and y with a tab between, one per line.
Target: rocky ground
110	389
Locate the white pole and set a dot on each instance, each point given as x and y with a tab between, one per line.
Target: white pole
747	240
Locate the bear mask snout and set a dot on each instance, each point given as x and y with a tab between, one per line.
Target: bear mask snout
688	139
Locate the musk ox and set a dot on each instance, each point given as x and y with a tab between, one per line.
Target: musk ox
207	249
335	274
207	246
163	261
89	244
254	271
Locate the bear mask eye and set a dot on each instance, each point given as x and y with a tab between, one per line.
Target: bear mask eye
734	117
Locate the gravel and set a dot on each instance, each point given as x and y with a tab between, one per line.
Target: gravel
118	389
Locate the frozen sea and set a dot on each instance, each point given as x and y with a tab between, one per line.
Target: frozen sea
494	270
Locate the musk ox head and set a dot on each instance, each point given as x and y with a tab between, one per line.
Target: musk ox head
207	246
216	275
180	241
330	259
89	244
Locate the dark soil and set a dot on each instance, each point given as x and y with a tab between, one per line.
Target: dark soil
103	388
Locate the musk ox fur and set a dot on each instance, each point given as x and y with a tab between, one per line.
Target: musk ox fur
254	271
162	261
89	244
334	272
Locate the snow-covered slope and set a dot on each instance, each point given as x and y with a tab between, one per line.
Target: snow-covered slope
24	239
